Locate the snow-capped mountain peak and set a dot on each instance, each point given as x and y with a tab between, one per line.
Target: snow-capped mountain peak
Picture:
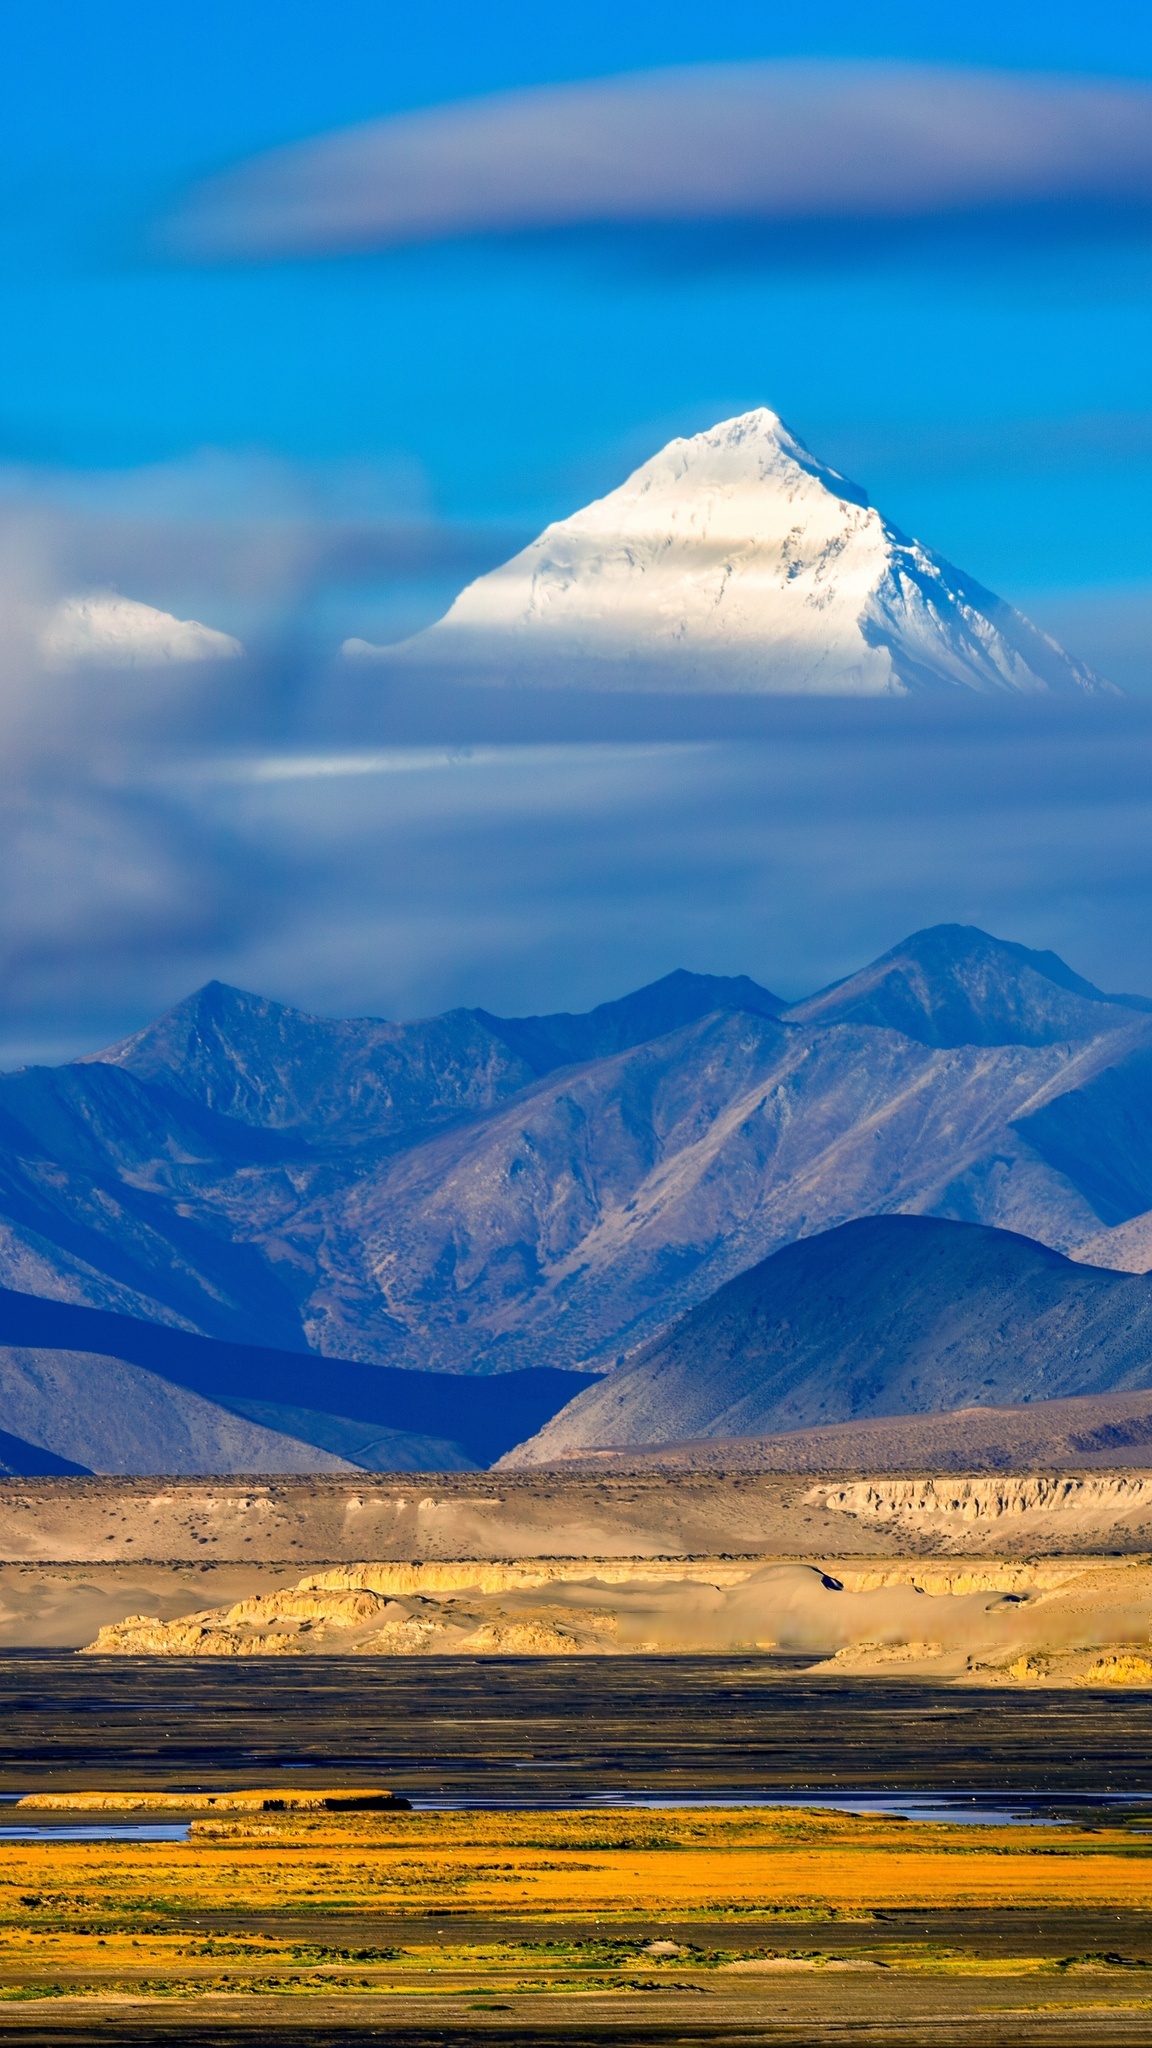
107	630
736	560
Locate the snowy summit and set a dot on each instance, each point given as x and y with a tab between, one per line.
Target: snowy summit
735	561
118	632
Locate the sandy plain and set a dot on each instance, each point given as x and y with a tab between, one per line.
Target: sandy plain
534	1912
301	1522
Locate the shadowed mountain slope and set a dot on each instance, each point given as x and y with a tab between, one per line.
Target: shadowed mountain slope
20	1460
680	998
1088	1432
1099	1137
887	1316
102	1413
419	1421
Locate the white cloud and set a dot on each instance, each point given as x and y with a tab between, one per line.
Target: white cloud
782	141
117	632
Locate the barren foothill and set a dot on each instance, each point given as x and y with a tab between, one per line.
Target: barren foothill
1034	1579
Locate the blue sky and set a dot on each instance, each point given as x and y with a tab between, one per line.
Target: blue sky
506	381
184	429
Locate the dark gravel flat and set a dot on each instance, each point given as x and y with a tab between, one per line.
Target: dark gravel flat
515	1731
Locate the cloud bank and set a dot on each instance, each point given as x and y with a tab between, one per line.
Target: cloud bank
779	142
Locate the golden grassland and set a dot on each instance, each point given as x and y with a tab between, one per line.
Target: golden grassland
615	1865
221	1914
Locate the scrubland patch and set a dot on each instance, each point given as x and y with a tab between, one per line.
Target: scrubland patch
621	1864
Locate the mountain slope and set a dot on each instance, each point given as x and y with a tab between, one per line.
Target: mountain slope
22	1460
736	561
363	1414
1099	1137
890	1315
562	1039
109	1416
474	1194
419	1420
92	1167
309	1083
320	1080
577	1220
1081	1433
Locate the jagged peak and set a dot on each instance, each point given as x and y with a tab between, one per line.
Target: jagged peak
953	984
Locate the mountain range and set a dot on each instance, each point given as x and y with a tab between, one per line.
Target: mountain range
736	561
474	1195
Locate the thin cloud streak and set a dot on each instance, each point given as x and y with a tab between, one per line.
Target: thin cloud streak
428	760
779	142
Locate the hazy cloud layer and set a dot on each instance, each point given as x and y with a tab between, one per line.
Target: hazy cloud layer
778	142
258	549
400	879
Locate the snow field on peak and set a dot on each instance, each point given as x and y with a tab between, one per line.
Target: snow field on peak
735	560
104	628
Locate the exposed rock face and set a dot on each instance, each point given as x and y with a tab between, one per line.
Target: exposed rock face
980	1621
1092	1502
1126	1670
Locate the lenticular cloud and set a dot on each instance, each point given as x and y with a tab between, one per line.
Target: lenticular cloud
778	142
